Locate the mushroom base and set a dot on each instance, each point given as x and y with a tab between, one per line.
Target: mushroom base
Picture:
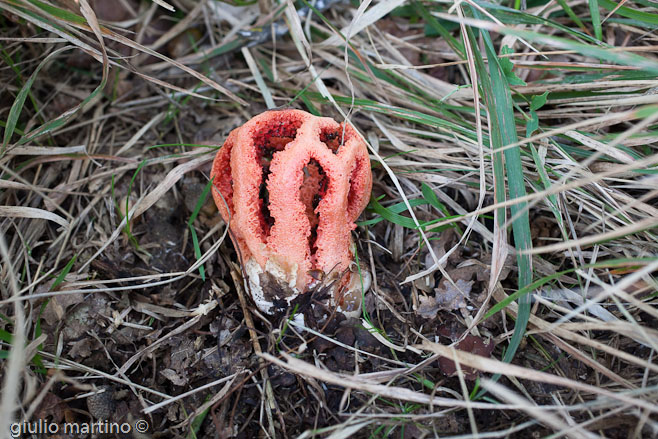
273	289
350	296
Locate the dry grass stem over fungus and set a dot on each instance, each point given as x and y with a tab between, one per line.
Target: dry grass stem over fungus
488	169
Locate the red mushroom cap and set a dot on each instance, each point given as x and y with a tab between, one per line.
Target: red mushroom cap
291	185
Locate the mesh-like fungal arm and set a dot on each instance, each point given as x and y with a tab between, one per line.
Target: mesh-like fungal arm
291	185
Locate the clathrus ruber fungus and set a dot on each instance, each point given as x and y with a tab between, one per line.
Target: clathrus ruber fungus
291	185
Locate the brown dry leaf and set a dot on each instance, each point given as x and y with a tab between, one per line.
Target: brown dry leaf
447	297
427	307
51	408
54	312
472	344
172	376
57	305
447	240
87	316
451	296
182	353
82	348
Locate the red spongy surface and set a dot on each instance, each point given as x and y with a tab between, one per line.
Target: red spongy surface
294	184
223	181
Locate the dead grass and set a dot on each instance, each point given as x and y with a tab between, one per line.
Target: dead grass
511	233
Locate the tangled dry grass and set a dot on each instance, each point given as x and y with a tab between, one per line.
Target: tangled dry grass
510	235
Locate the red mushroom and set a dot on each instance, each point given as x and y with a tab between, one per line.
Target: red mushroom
291	185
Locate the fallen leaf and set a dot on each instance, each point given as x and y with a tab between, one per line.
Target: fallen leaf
451	296
472	344
447	297
52	408
57	305
427	307
82	348
172	376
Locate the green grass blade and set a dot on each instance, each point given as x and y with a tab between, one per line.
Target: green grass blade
65	117
64	272
190	222
498	97
511	16
431	198
596	18
602	53
525	291
392	216
59	13
17	107
567	9
456	45
625	11
516	188
395	208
